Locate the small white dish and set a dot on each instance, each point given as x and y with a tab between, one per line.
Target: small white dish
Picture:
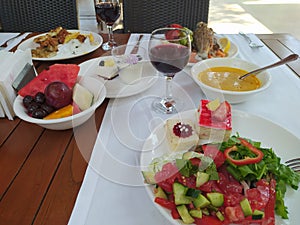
67	51
95	86
115	87
232	97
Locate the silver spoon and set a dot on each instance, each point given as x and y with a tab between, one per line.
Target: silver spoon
252	44
285	60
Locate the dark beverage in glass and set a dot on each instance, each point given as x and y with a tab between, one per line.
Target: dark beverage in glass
108	12
169	59
169	56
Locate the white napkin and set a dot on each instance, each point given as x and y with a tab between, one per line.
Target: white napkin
6	36
16	41
11	65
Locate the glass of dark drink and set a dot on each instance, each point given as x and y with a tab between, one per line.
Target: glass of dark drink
108	11
169	52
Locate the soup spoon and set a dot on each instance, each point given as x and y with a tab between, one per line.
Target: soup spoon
285	60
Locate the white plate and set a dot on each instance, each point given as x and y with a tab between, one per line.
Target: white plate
115	88
66	50
285	145
233	52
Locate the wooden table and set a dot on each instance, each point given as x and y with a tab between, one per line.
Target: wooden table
41	171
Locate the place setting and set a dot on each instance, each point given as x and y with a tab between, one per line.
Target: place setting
131	143
176	126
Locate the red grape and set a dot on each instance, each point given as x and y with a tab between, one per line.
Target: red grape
58	94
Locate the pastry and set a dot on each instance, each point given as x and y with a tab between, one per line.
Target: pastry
181	134
214	124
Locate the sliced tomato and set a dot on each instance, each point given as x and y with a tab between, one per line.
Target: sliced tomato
169	173
227	185
210	186
172	34
213	152
258	197
195	161
233	199
234	213
165	203
175	214
166	177
270	207
208	220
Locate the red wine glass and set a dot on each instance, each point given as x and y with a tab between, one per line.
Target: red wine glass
169	52
108	11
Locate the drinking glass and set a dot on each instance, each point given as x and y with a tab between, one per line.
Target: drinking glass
169	52
108	11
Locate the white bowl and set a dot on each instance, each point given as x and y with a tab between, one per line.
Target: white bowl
232	97
92	84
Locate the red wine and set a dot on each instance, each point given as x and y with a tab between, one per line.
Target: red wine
169	58
108	12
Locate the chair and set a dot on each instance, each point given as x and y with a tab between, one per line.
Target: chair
38	15
143	16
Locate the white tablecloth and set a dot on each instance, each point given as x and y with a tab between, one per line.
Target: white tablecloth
112	192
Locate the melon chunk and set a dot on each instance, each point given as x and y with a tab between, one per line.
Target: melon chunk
82	97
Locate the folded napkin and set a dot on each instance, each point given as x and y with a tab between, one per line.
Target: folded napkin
11	44
12	66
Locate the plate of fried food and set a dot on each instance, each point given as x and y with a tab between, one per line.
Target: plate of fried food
60	44
207	44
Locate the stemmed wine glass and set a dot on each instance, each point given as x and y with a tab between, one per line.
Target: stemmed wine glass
108	11
169	52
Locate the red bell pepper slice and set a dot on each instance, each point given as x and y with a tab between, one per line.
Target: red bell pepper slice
247	160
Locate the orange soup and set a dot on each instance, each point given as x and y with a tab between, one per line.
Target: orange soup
227	78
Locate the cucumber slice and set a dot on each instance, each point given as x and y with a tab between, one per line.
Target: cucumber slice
159	192
197	213
201	201
220	216
180	194
257	214
201	178
184	214
149	177
216	199
246	207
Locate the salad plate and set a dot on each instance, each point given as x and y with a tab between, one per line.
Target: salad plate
233	52
69	50
283	143
115	88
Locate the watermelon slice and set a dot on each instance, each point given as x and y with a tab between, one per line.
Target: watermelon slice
66	73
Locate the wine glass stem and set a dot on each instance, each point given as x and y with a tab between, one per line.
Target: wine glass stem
169	96
110	35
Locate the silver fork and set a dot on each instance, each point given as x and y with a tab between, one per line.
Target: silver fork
294	164
252	44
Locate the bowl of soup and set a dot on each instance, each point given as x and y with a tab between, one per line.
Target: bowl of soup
219	78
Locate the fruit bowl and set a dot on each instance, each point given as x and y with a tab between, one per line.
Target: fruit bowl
232	97
94	85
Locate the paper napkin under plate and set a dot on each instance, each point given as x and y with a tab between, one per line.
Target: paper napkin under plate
16	70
